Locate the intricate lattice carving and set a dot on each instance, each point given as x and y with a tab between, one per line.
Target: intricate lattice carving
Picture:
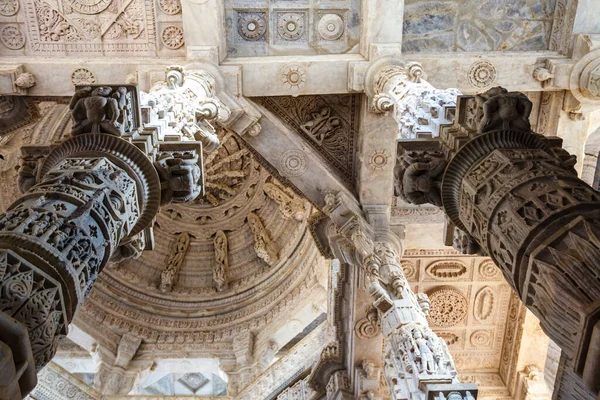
448	307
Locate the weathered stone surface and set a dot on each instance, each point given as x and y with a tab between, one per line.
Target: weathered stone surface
491	25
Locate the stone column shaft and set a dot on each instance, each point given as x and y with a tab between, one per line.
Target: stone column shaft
417	363
515	193
87	200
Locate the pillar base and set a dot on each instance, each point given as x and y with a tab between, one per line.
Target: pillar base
18	376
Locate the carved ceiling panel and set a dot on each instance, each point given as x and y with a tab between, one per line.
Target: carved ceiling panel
328	123
275	27
471	309
91	28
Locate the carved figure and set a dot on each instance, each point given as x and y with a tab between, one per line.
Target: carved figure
97	111
27	177
502	109
222	262
174	261
322	125
181	177
131	248
423	353
263	245
289	205
419	177
464	243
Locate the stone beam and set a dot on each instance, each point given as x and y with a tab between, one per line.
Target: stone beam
376	144
326	74
204	29
294	160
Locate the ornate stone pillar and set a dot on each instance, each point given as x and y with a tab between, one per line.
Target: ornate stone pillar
517	195
417	363
400	87
86	201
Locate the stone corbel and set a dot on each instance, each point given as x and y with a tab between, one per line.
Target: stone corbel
400	87
329	373
580	75
14	80
217	105
367	381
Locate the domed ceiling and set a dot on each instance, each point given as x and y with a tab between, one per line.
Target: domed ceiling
249	258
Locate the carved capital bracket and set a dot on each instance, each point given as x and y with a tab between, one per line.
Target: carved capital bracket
191	101
400	87
14	80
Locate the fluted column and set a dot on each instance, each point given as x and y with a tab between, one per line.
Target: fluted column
516	194
401	88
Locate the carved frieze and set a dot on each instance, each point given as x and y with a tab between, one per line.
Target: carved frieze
92	26
328	123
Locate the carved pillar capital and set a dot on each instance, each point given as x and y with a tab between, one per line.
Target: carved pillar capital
400	87
191	101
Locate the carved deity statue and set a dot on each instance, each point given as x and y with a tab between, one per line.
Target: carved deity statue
98	110
174	261
222	262
180	175
418	177
502	109
423	353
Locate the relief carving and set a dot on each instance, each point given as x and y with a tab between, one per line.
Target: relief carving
448	307
289	205
369	326
265	248
418	176
222	261
447	270
100	110
176	256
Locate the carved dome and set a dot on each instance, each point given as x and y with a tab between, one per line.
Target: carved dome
256	292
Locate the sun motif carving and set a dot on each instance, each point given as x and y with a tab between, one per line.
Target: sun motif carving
448	307
379	159
482	74
170	7
252	26
331	27
290	26
172	37
83	76
9	7
12	37
293	76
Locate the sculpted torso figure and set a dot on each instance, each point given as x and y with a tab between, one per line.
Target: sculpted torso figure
96	111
